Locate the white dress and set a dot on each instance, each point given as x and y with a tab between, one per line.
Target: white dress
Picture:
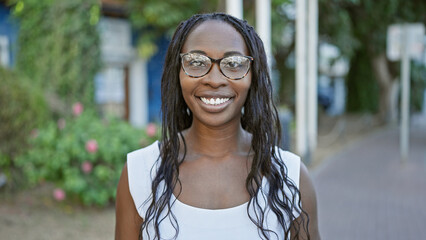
198	223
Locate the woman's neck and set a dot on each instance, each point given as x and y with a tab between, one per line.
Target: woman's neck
217	142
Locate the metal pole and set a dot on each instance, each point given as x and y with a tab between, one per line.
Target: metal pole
405	98
235	8
312	75
263	25
301	140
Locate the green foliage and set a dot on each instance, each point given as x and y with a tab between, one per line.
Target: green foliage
22	109
83	155
354	22
336	28
59	46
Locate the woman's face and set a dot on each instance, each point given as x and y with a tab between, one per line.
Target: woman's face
214	99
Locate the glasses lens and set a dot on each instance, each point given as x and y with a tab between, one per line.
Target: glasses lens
235	67
195	65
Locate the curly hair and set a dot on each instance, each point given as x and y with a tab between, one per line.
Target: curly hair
260	118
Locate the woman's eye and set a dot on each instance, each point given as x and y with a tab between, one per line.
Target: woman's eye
195	63
233	64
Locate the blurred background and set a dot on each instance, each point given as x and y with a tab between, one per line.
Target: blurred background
80	87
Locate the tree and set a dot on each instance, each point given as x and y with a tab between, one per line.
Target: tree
358	28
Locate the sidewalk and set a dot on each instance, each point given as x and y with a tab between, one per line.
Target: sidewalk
365	192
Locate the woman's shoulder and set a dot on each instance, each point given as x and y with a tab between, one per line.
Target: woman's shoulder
151	151
291	161
287	156
141	161
139	165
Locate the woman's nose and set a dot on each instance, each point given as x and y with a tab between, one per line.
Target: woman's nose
215	78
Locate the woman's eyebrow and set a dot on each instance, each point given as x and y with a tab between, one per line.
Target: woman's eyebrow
226	54
198	51
232	53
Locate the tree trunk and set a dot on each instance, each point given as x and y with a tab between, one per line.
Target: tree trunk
385	80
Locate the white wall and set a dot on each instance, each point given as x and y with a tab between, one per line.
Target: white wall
4	51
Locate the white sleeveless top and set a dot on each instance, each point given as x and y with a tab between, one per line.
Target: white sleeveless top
198	223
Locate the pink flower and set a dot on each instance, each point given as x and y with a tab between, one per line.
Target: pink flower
77	109
151	129
86	167
59	194
92	146
61	123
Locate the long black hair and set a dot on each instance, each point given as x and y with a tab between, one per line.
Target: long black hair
260	118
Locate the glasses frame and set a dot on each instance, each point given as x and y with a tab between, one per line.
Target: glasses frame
218	62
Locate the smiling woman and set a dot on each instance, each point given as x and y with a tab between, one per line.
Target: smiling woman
217	173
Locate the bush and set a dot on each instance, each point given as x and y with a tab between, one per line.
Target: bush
83	155
22	109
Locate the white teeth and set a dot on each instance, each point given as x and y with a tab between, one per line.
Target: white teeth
214	101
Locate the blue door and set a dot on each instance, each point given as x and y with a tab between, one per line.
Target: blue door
155	70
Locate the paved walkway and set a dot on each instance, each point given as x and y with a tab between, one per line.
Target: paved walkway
364	192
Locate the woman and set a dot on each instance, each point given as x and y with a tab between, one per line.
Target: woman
217	173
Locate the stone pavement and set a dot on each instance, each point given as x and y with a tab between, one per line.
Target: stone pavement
365	192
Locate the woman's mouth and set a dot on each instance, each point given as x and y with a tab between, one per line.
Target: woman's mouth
214	101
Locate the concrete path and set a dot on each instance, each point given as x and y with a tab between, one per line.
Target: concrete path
365	192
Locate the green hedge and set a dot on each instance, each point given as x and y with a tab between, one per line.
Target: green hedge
22	109
83	155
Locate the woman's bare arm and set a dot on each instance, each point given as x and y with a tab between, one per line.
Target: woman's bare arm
127	219
309	204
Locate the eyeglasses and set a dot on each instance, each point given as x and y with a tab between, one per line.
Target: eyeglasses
198	65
